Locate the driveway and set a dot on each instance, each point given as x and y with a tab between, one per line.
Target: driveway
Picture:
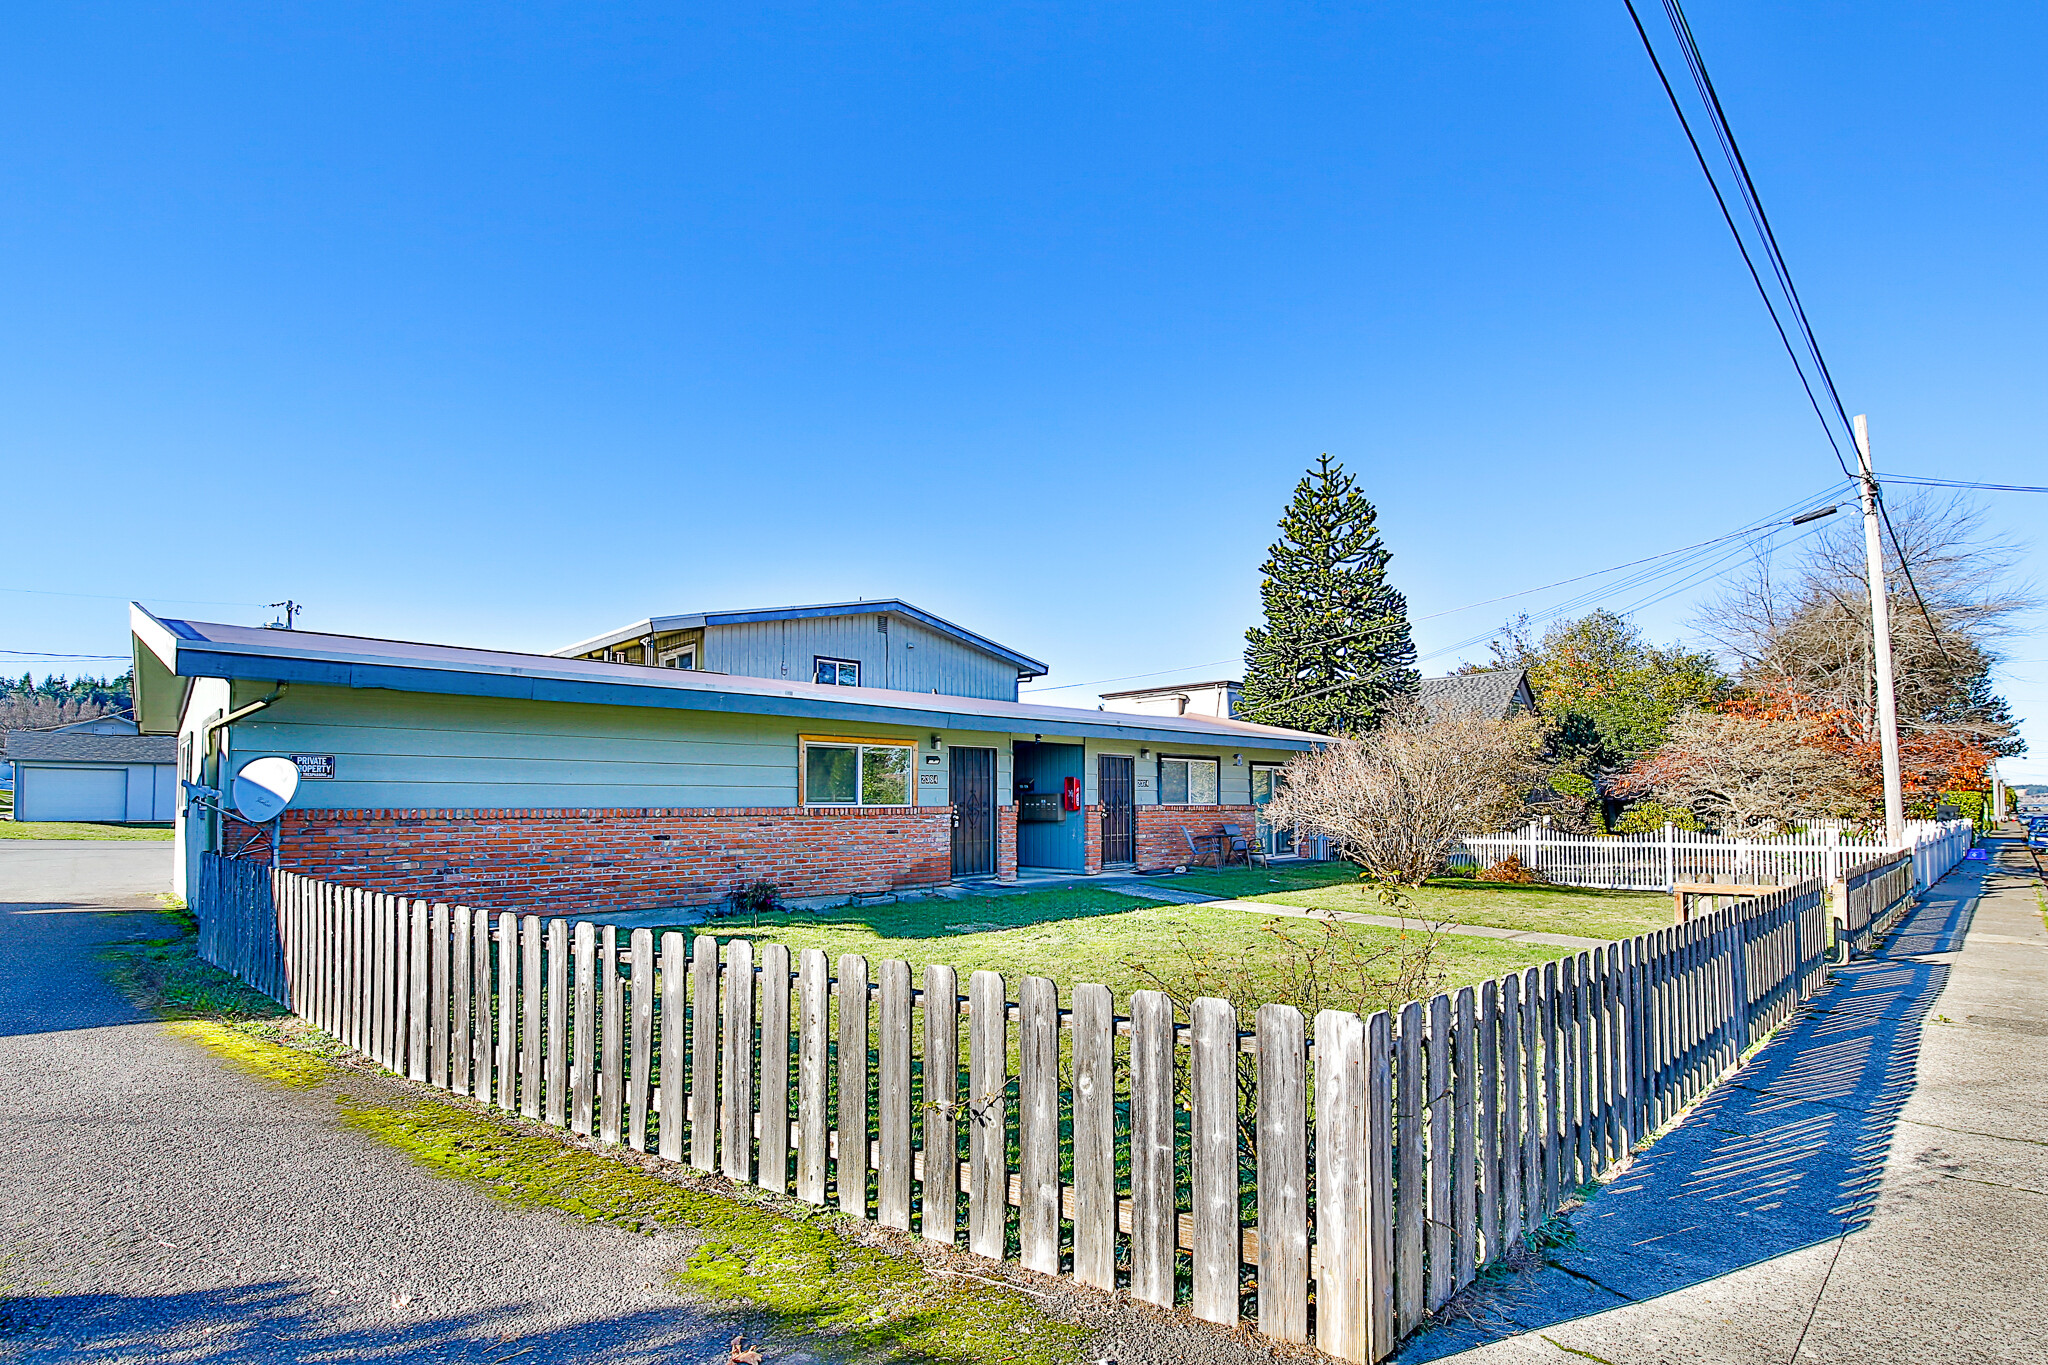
163	1207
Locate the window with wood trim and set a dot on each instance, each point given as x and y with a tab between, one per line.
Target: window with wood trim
857	772
1188	781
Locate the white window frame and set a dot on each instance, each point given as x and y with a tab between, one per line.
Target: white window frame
676	659
857	743
843	664
1214	763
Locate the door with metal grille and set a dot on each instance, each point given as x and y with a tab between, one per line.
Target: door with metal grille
1119	819
974	812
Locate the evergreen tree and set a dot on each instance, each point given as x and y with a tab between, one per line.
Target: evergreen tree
1335	650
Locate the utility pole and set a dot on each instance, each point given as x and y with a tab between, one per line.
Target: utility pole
1881	644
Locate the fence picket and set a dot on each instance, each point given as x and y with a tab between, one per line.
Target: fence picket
704	1053
736	1085
814	987
850	1164
640	1048
1282	1168
1340	1179
1411	1289
988	1182
480	1011
675	1004
460	973
1487	1078
1512	1176
1464	1132
772	1172
1038	1124
892	1097
437	997
1440	1161
583	1070
555	1049
939	1123
1212	1149
1153	1225
531	1028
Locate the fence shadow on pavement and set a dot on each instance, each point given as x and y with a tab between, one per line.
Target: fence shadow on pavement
1785	1154
289	1320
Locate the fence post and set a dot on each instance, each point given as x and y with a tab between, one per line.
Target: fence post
1670	856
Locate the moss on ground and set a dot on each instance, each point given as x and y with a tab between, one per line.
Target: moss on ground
792	1265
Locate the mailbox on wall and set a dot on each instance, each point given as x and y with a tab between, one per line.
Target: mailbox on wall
1040	808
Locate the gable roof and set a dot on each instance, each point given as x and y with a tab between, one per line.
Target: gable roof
167	650
1497	693
892	606
72	746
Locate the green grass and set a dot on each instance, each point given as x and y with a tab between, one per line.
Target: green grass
1079	934
1583	912
10	828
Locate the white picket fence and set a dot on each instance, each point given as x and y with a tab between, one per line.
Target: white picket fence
1659	861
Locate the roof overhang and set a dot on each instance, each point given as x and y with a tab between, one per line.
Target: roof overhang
176	650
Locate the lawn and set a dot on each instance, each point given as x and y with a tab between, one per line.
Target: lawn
10	828
1583	912
1083	934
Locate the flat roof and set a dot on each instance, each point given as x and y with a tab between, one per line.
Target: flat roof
1169	689
881	606
167	649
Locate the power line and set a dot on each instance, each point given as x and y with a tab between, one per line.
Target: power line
117	597
1740	244
1964	483
46	654
1700	561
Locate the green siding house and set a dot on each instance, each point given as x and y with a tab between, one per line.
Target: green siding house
624	774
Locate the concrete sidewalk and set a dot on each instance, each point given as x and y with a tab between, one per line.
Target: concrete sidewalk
1873	1185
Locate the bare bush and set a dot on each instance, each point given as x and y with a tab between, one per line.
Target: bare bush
1750	774
1398	800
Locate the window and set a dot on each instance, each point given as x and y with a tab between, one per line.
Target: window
836	672
1187	781
681	659
845	772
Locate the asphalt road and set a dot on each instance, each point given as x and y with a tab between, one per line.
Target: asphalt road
162	1207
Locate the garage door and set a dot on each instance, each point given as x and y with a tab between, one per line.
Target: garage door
74	794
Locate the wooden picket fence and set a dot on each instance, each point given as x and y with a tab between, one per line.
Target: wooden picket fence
1869	899
1334	1180
1660	860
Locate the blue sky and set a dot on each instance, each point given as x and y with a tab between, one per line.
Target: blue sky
504	327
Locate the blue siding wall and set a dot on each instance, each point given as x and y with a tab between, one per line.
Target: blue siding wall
907	657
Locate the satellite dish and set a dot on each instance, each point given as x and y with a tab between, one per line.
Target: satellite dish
264	787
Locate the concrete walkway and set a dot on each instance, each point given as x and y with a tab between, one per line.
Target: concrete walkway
1872	1186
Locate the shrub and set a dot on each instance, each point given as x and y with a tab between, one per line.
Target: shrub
1648	817
1514	871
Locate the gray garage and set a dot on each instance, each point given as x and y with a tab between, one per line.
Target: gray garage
104	773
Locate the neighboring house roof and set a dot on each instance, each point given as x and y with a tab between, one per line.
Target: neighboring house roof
895	606
1496	693
1169	691
167	650
71	746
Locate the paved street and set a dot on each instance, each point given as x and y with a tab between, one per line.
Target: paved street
1873	1186
163	1207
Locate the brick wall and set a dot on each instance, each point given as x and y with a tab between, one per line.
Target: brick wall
1006	843
1159	831
573	860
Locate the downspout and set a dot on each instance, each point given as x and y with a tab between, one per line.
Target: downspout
207	730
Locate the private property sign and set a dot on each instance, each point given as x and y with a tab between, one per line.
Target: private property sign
314	765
